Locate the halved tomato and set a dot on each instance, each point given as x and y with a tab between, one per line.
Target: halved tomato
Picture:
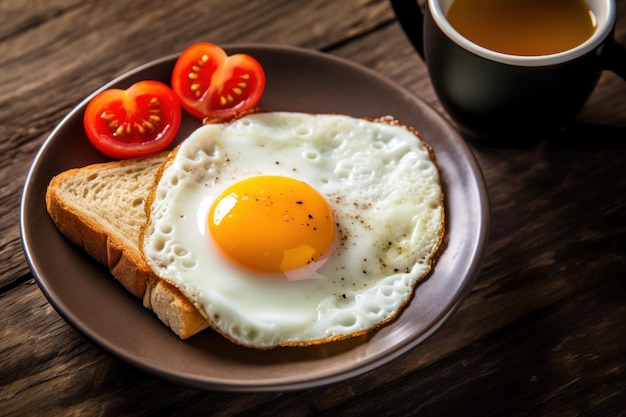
141	120
209	83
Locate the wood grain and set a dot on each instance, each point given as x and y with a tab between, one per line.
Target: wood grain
89	43
541	333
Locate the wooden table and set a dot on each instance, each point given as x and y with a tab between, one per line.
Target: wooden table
543	332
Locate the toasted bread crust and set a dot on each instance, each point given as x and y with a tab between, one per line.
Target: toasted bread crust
124	263
121	256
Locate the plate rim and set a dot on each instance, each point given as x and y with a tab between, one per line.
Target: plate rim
264	386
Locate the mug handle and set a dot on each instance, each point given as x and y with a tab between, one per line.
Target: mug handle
613	57
411	20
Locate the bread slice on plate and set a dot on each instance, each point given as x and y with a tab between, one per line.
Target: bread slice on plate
100	208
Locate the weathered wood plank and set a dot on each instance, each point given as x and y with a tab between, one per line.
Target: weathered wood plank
56	53
541	333
550	354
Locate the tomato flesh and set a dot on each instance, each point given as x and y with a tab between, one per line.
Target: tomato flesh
209	83
141	120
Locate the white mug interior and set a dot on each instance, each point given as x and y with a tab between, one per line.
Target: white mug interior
603	11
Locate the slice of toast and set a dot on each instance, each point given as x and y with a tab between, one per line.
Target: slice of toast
100	207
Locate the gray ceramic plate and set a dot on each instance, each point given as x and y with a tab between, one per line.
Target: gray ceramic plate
297	80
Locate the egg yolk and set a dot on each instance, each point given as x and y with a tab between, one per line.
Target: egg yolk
272	224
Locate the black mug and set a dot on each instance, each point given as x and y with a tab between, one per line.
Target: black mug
509	100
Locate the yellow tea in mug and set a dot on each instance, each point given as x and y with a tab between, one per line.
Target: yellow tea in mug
523	27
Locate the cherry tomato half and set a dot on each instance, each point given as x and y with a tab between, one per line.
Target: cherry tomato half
209	83
141	120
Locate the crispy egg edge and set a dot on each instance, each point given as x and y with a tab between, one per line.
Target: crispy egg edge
435	253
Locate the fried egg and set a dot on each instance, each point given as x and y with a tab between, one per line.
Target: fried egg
292	229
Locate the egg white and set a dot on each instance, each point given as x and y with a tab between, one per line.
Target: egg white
382	184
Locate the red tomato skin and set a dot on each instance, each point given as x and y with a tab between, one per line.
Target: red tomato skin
211	84
138	121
